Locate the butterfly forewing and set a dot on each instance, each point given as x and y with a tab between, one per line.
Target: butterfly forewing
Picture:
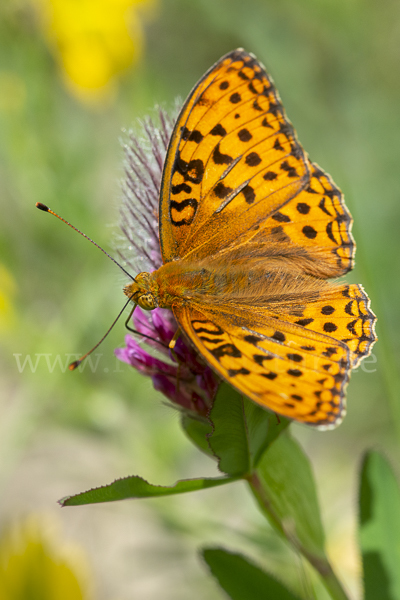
235	172
232	161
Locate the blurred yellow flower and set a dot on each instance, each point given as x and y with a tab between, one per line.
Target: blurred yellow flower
94	40
31	567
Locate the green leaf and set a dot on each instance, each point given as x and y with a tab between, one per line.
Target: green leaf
285	489
137	487
198	432
241	579
380	528
263	428
242	431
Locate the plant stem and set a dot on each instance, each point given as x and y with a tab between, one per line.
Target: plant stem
333	585
321	565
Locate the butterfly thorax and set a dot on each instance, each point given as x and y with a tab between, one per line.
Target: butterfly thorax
173	283
273	282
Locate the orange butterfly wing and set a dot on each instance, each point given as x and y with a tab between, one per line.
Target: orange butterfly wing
236	183
259	356
292	366
235	173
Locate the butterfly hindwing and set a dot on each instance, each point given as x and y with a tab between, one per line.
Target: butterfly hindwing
297	366
283	367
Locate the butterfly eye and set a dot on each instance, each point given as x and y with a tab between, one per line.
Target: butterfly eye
147	301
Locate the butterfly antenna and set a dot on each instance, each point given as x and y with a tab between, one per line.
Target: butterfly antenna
45	208
76	363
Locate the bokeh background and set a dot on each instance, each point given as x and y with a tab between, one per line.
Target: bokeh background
73	75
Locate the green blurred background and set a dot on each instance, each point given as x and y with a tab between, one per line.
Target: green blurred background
72	75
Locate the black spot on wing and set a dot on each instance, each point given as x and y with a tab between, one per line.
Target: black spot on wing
291	171
226	350
304	322
253	159
182	187
249	194
244	135
271	375
294	372
207	327
260	358
303	208
218	130
330	351
309	232
323	208
278	146
179	207
295	357
222	191
351	327
281	218
265	123
209	340
196	136
192	171
243	75
253	339
329	327
219	158
252	88
241	371
235	98
329	232
278	336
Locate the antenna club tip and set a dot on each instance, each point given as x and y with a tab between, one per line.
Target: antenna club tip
74	365
41	206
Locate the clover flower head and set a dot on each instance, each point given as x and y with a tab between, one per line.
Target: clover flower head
181	375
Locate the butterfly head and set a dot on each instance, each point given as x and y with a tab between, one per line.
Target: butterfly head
140	292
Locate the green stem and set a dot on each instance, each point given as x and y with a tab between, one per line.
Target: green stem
322	566
333	585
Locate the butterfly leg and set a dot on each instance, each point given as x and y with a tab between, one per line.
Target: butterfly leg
129	318
140	333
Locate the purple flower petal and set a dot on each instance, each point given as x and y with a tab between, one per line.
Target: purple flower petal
164	324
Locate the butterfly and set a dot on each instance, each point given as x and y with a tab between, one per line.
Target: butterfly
251	231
